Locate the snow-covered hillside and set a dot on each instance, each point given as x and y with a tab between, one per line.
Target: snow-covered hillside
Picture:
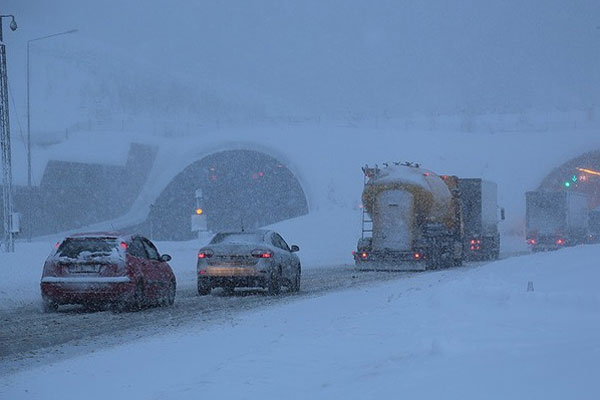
326	157
473	332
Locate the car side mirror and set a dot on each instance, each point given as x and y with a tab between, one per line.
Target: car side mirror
165	258
502	216
295	248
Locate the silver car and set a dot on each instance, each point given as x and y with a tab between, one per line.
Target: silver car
258	258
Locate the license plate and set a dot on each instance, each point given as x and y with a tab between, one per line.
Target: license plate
230	271
86	268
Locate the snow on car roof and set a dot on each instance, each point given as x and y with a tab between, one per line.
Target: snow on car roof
111	235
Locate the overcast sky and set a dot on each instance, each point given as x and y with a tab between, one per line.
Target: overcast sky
323	56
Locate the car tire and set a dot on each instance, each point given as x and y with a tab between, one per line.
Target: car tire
203	289
48	306
138	301
171	291
135	302
274	285
295	282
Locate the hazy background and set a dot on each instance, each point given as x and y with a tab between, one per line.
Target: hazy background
199	59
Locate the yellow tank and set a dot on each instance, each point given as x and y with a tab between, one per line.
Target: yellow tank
432	200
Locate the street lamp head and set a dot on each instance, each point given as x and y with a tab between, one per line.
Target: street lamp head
13	24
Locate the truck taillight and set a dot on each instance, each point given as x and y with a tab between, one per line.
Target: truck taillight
475	244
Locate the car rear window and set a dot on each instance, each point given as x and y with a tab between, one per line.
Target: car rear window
73	248
251	237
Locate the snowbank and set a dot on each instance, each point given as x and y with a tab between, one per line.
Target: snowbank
463	333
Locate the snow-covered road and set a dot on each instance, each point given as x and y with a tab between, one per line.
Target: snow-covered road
27	334
27	331
521	328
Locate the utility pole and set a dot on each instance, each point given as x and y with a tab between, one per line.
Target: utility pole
9	240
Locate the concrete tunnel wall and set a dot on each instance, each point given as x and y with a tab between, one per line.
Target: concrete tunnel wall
561	177
241	188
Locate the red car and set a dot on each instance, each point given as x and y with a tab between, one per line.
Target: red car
103	268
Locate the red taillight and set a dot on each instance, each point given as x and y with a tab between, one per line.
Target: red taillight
205	254
531	241
124	245
364	255
475	244
560	242
262	253
417	256
202	272
56	245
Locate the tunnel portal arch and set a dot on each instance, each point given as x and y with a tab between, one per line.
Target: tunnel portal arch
241	188
580	174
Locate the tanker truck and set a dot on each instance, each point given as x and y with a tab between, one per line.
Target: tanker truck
412	219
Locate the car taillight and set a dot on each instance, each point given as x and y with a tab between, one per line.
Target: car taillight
205	253
531	241
49	268
560	242
417	256
262	253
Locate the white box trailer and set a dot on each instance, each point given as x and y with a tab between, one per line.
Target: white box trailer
480	212
594	226
556	219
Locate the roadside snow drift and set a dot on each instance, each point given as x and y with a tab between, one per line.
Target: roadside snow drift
525	327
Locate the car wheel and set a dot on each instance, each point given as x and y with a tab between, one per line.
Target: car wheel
135	302
203	289
295	282
138	297
171	293
274	286
49	306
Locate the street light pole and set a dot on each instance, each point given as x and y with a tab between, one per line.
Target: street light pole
7	206
28	109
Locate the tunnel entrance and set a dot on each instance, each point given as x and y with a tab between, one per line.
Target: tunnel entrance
581	174
241	188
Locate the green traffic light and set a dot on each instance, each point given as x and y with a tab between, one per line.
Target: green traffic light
567	184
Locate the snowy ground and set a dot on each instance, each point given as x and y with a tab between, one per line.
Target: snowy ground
460	333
